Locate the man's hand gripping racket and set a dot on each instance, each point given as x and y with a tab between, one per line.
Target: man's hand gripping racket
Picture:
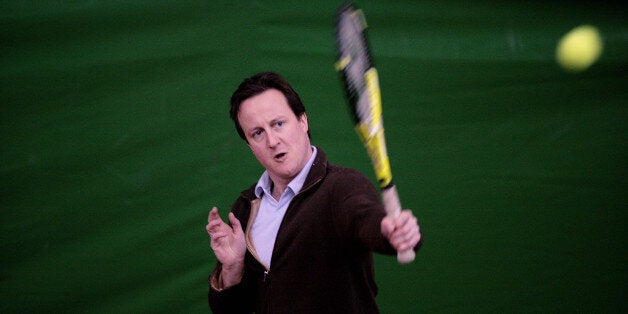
363	94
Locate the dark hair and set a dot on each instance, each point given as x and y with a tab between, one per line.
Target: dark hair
258	84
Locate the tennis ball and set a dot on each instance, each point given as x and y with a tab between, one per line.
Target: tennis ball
579	49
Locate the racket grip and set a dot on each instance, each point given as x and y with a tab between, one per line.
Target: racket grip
393	209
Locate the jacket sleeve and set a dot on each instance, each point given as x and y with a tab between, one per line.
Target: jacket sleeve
238	298
229	300
359	211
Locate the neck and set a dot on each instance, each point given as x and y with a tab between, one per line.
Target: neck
277	190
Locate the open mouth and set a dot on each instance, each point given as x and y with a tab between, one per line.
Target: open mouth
280	156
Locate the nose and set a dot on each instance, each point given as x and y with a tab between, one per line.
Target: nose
271	139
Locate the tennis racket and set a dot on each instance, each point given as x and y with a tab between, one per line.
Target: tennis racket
361	85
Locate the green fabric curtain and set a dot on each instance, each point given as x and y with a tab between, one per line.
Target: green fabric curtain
116	142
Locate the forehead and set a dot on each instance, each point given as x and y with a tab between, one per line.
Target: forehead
269	102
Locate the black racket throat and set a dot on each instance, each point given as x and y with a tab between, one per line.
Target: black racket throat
390	185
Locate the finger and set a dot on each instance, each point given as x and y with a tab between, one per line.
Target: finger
214	225
410	225
410	244
404	234
409	240
403	218
218	235
213	214
409	230
235	223
387	226
405	223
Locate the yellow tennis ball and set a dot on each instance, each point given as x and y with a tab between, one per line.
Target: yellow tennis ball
580	48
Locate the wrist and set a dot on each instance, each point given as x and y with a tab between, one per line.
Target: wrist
231	275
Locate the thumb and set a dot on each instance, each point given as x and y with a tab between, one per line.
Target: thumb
235	223
387	226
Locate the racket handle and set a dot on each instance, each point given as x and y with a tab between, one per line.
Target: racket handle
393	209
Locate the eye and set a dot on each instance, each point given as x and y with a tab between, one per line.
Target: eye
279	123
257	133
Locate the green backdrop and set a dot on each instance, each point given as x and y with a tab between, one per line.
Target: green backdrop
116	142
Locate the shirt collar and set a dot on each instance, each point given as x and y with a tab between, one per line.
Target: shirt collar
264	182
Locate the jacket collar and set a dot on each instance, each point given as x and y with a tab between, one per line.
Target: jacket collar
318	170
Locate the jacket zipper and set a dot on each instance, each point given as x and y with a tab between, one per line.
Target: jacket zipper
266	280
251	249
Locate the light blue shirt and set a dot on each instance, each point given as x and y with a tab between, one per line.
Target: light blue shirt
271	211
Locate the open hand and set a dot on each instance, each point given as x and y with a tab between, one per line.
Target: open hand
228	244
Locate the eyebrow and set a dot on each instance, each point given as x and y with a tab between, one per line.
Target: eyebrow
277	119
272	121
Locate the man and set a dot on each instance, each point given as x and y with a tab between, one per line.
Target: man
300	240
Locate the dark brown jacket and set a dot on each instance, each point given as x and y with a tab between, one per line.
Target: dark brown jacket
322	261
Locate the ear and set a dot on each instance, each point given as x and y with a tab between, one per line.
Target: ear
304	123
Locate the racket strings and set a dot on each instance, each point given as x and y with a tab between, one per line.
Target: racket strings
354	62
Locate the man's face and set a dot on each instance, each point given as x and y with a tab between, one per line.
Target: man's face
278	139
